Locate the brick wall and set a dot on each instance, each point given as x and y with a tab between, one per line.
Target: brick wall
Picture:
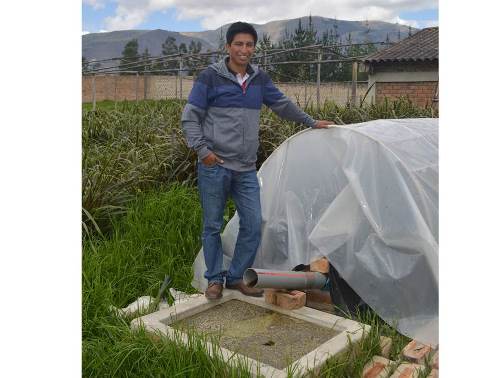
123	87
113	87
420	93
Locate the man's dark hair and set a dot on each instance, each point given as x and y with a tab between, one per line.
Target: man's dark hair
240	27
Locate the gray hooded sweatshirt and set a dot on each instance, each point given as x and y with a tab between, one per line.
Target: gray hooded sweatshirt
222	116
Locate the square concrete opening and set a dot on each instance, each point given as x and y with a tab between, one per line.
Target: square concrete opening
266	337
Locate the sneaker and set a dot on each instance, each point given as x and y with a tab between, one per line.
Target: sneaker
214	290
244	289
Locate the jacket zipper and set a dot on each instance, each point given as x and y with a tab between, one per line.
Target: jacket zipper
243	92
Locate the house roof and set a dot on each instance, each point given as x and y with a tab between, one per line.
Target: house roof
421	46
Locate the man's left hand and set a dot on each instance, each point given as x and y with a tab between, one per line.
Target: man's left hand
322	124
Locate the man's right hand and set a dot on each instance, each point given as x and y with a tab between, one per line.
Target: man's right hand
211	160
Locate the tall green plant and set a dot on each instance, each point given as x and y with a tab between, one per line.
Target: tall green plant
140	146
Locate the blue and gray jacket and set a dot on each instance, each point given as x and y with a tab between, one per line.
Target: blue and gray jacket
223	118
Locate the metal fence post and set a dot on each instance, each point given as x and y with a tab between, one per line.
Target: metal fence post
145	85
94	92
181	65
319	58
355	68
136	87
176	84
115	92
305	94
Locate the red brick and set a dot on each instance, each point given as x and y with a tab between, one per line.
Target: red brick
433	374
406	370
416	352
385	346
319	300
320	265
270	296
377	367
435	360
291	300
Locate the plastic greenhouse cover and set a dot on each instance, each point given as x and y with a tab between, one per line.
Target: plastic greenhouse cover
366	197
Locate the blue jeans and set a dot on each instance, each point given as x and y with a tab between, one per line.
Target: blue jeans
215	184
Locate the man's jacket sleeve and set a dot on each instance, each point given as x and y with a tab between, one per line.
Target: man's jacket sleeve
192	118
281	105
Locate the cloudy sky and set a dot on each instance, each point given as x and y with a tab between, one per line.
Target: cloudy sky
197	15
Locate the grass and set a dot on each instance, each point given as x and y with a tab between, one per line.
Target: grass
135	148
143	220
158	236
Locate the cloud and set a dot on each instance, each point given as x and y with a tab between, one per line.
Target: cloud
214	13
400	21
131	13
429	23
84	32
96	4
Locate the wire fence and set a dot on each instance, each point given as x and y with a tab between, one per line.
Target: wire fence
305	74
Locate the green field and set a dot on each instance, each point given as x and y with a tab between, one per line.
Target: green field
142	221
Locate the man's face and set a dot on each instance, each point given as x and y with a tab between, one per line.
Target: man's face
241	49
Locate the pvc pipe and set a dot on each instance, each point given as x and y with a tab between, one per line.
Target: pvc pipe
279	279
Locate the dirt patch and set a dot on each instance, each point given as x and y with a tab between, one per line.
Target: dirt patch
258	333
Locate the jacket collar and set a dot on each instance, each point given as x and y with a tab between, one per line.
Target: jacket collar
223	70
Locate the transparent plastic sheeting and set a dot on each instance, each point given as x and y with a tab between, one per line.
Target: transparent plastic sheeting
366	197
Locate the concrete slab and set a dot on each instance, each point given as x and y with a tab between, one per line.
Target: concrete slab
159	323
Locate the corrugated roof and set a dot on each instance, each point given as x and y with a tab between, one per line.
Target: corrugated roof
422	46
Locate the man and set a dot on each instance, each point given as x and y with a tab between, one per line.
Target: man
221	123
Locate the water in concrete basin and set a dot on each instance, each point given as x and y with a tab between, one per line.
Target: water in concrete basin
264	335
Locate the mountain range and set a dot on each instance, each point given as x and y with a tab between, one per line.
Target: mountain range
98	46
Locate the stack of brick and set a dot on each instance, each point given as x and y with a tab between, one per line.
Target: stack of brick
424	355
415	359
289	300
378	367
294	299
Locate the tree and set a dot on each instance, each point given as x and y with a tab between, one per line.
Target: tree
145	60
193	61
263	46
169	47
194	47
331	71
94	65
300	38
182	48
130	57
85	64
264	43
222	42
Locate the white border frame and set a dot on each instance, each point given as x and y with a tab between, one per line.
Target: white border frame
350	331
